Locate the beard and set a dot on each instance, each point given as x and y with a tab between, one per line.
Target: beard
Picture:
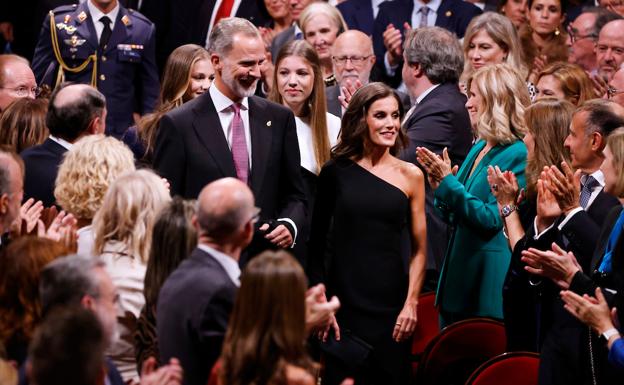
242	87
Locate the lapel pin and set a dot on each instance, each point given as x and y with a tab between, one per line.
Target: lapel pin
126	20
269	123
449	13
82	16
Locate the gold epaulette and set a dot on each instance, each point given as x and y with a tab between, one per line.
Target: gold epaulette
62	65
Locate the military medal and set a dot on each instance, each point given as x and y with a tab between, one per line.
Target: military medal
82	16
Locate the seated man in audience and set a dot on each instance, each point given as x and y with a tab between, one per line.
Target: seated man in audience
615	90
11	191
16	80
75	110
439	118
610	50
83	281
582	36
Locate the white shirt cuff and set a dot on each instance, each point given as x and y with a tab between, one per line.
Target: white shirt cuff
390	70
569	216
538	235
292	223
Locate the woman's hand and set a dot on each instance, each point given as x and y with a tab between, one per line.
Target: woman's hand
504	186
26	222
592	311
558	265
437	167
548	209
406	322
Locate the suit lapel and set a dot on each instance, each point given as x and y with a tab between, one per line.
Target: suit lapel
261	136
486	160
208	128
463	173
445	14
121	31
364	13
86	28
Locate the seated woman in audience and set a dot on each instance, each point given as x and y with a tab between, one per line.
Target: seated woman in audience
173	239
477	258
265	340
23	124
281	19
491	39
123	236
321	23
544	38
565	81
515	10
547	123
371	205
188	73
88	168
20	306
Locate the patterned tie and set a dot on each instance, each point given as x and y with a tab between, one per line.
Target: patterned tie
239	145
224	11
586	190
106	32
424	12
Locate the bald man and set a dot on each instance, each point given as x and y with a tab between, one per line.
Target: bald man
75	110
196	300
11	190
16	80
610	48
615	91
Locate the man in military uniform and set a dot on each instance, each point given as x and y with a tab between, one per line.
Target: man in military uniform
101	43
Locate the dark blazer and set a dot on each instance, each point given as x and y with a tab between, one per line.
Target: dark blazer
194	307
453	15
280	40
439	120
41	164
192	151
358	14
334	107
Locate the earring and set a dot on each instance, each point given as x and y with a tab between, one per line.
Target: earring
557	32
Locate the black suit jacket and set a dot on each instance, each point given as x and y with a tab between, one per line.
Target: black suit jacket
194	307
41	164
439	120
280	40
453	15
358	14
191	151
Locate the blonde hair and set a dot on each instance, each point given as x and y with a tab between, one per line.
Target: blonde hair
500	29
322	8
504	98
129	212
85	173
615	143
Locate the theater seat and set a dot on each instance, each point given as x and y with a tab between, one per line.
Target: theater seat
460	348
517	368
427	328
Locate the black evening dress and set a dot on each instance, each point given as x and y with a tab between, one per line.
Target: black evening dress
360	247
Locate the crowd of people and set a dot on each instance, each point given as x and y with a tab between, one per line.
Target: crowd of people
259	191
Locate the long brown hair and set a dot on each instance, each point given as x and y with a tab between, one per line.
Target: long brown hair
173	91
23	124
548	121
315	109
575	83
267	327
354	129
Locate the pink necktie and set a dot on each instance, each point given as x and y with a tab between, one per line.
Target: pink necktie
239	145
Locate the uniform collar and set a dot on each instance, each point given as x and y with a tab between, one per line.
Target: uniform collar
96	14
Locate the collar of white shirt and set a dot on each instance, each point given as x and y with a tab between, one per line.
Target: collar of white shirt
426	92
433	5
222	102
62	142
230	265
96	14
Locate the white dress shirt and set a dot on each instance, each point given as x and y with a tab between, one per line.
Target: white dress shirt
61	142
229	264
376	4
419	99
223	106
96	14
432	16
306	141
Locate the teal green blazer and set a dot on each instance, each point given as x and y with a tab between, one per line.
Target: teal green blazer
478	255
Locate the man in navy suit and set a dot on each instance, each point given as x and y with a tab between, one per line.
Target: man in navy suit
229	132
75	110
101	43
360	14
397	15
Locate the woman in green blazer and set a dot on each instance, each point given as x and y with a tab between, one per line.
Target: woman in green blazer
478	255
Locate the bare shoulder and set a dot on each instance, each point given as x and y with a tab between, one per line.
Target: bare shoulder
410	170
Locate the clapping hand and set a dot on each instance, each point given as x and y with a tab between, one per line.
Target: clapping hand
565	186
592	311
437	167
504	186
26	222
62	229
170	374
347	92
600	84
557	265
393	41
548	209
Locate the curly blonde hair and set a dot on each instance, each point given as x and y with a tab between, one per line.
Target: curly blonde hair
504	98
129	212
92	164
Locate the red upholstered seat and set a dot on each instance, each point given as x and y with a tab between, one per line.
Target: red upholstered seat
517	368
427	328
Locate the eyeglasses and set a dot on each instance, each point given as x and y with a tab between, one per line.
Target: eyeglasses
611	92
355	60
574	36
22	92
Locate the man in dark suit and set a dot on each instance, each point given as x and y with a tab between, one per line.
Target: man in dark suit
389	27
229	132
438	118
359	14
16	80
75	110
195	302
101	43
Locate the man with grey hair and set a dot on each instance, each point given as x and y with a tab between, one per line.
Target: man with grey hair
11	190
16	80
438	119
196	300
228	132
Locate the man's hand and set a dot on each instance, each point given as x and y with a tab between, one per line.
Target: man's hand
600	84
280	236
170	374
394	44
548	209
346	92
565	186
63	229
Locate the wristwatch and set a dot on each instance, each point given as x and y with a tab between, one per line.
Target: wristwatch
606	336
507	210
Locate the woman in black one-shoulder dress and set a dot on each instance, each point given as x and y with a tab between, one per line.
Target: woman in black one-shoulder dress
369	218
